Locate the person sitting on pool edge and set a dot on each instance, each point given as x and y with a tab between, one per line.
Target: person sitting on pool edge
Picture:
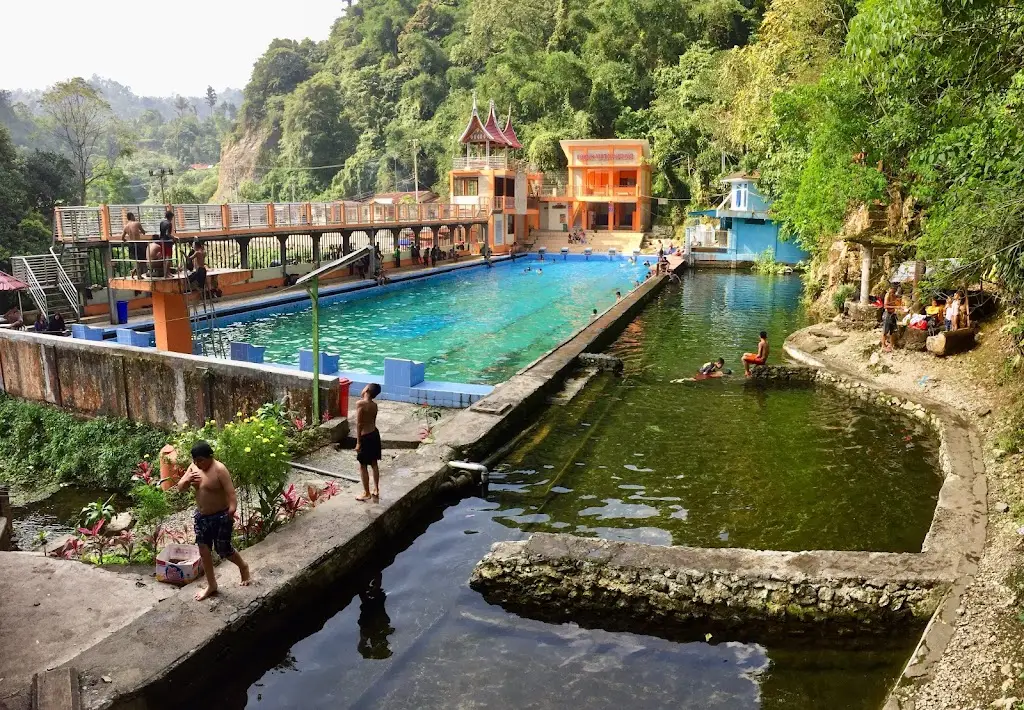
756	359
715	368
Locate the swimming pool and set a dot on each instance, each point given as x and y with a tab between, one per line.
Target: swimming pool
475	325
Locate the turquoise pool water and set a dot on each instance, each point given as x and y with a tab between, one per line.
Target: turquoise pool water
476	326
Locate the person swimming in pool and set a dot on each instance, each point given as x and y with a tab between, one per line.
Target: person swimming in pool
715	368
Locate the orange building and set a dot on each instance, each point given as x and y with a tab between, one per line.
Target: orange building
606	186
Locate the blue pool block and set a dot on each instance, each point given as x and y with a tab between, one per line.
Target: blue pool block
127	336
328	362
403	373
256	353
84	332
197	347
240	351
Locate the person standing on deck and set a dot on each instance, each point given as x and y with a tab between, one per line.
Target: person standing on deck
215	514
134	233
368	446
166	239
760	358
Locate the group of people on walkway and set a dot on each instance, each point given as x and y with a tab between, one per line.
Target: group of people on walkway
53	324
944	313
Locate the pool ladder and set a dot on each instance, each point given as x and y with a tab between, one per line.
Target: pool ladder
203	317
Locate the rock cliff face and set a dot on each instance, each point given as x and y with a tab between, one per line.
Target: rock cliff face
240	158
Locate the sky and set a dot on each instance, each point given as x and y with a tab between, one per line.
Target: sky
156	48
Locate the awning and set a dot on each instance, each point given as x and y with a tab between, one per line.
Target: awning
9	283
703	213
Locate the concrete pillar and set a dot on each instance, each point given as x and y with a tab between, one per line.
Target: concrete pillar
108	269
316	248
919	269
865	273
283	257
243	252
171	322
346	242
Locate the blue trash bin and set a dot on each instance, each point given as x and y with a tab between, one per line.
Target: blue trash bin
122	312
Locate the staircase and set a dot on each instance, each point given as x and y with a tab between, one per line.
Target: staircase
50	282
598	241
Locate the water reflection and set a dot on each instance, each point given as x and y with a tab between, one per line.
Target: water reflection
374	623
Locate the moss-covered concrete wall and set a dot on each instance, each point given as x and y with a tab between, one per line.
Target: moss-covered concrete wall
159	388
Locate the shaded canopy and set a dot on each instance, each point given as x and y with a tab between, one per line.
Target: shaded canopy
9	283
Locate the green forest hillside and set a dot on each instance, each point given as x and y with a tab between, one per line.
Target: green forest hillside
910	104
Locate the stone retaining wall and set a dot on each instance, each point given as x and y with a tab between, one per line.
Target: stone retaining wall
662	589
145	385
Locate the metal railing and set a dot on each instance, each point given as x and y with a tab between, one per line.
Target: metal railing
493	162
23	272
66	285
42	272
107	222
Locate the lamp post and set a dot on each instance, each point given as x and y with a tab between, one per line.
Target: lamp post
311	281
161	173
415	169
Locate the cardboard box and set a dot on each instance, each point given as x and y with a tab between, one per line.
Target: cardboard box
178	564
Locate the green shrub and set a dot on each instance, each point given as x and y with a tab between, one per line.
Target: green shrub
841	296
766	264
41	445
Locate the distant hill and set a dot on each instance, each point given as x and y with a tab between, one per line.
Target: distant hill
128	105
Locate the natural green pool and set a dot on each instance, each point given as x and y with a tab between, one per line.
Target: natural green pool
721	462
637	458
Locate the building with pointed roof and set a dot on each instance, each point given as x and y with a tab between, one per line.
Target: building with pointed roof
606	186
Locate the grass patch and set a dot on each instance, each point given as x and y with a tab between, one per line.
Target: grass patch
42	446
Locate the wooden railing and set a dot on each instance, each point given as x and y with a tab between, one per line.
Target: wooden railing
76	224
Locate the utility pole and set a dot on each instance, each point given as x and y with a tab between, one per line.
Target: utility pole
415	169
161	173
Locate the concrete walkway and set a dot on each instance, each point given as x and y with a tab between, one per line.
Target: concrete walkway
51	610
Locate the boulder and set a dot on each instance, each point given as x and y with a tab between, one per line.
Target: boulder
913	339
119	523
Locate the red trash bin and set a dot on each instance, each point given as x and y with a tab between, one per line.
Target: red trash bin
343	386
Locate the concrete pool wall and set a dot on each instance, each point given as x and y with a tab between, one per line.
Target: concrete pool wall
160	388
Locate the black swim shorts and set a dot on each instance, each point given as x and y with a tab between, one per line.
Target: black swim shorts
214	531
369	448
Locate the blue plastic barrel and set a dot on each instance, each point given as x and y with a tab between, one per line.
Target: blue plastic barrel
122	312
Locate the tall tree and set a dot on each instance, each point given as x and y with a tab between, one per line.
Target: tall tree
79	117
182	106
211	97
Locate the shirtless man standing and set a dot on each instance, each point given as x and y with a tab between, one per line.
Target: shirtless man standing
368	448
215	513
134	233
760	358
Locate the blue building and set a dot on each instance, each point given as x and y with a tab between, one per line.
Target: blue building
739	229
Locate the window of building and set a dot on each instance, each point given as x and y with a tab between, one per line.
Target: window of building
627	178
466	186
741	196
